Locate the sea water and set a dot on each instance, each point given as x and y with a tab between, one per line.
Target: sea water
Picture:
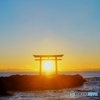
92	85
86	74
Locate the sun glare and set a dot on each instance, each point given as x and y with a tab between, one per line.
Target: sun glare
48	66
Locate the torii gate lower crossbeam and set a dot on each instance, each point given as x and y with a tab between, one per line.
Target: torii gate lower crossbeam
40	58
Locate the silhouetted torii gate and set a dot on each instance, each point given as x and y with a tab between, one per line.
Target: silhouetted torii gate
48	56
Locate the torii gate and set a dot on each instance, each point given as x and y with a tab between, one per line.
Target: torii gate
40	58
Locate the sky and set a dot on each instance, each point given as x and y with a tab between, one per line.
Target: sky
69	27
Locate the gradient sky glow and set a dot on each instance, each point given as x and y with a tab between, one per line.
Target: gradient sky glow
28	27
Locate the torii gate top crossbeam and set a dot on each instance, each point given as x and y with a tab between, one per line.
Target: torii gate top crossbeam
48	55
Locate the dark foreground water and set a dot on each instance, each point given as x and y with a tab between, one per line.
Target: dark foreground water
84	92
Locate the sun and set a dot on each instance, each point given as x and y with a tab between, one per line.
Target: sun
48	66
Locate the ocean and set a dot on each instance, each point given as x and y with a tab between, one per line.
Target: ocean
86	74
89	91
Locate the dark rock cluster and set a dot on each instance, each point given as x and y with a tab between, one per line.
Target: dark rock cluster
36	82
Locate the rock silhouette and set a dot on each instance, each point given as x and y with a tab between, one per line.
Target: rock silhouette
36	82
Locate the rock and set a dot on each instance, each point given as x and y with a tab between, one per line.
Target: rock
36	82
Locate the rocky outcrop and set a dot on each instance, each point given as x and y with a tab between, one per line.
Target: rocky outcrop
36	82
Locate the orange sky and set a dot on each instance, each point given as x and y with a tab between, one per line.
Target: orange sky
64	27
